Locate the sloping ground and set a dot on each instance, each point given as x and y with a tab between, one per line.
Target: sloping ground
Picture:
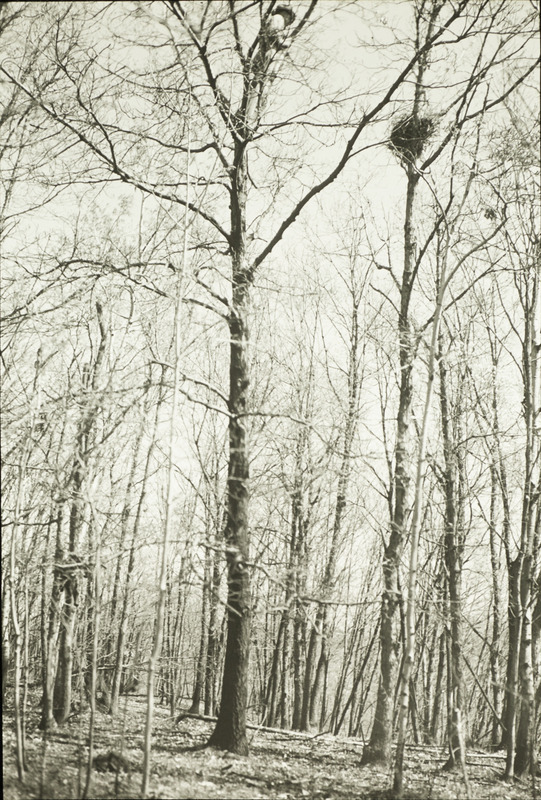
281	765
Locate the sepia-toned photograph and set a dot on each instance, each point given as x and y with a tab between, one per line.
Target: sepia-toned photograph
270	410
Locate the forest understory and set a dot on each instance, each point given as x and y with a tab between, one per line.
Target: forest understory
282	764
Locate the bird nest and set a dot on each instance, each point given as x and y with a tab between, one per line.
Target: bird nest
286	12
409	136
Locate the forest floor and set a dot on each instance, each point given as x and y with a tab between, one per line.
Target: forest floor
282	765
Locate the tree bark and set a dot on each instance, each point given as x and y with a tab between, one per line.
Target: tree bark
230	731
453	552
378	748
409	655
495	651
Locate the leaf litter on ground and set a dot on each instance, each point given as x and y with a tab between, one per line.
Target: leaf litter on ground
282	765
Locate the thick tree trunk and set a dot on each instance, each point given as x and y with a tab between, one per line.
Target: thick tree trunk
62	688
520	697
378	748
230	731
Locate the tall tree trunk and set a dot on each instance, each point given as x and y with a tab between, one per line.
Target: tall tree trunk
272	698
521	745
409	655
536	644
526	755
298	663
378	748
117	671
230	731
453	550
285	698
495	668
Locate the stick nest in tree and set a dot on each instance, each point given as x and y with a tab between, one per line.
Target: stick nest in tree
409	136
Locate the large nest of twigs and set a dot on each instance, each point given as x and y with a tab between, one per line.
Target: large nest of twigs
409	136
